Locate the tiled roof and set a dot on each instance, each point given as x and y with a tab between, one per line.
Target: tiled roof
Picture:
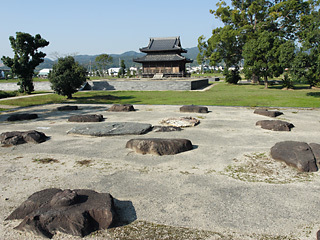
162	58
164	44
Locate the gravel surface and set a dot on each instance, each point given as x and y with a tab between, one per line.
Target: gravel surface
227	187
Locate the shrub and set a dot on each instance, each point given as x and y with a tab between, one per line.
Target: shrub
67	76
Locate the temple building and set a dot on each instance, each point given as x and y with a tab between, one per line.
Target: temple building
163	58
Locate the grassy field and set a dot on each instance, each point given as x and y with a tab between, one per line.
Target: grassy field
221	94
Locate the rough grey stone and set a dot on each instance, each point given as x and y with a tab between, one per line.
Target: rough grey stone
22	116
166	129
86	118
159	146
296	154
121	108
315	147
16	137
111	129
266	112
194	108
77	212
180	122
67	108
275	125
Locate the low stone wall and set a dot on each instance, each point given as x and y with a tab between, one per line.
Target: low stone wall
126	85
149	85
38	86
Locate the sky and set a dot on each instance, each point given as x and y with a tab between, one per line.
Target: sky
92	27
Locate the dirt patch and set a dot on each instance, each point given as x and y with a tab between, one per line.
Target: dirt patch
259	167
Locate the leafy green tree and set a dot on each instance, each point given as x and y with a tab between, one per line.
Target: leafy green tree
266	56
26	58
244	21
306	66
122	70
202	46
102	61
67	76
224	45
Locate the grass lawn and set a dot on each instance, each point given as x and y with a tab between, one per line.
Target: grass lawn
221	94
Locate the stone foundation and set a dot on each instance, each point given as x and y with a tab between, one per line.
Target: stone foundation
149	84
184	84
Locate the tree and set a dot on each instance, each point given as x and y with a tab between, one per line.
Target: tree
245	20
261	56
122	70
67	76
202	46
267	56
225	45
102	61
26	58
306	66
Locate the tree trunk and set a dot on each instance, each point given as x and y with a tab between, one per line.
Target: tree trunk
265	82
254	79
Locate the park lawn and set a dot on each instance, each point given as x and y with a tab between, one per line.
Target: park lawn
222	94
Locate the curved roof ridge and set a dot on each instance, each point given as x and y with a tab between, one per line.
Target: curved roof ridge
163	44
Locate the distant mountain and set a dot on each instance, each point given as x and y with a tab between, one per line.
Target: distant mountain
128	57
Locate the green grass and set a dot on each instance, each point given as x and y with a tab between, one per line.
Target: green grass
221	94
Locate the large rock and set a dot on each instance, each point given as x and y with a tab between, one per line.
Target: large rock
275	125
121	108
77	212
180	122
159	146
315	147
86	118
194	108
16	137
296	154
67	108
266	112
112	129
22	116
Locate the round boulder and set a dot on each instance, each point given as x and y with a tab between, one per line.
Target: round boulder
16	137
266	112
297	154
275	125
159	146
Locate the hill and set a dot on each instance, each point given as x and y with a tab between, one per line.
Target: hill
128	57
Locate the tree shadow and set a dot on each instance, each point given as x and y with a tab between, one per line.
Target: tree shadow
313	94
98	99
125	213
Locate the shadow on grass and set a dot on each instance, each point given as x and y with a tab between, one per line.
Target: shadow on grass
4	94
103	99
313	94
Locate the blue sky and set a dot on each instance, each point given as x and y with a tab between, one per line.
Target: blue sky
105	26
